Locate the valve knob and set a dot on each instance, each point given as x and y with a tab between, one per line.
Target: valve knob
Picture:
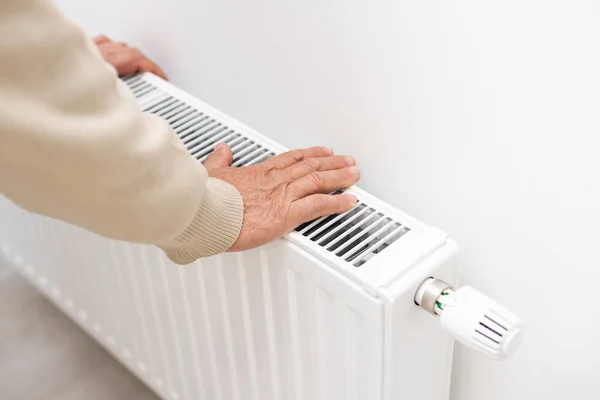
471	317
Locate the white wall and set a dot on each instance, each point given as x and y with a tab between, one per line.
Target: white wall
480	117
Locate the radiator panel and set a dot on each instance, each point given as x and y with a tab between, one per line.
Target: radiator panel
273	323
292	320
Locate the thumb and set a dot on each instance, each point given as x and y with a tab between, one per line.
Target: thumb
221	157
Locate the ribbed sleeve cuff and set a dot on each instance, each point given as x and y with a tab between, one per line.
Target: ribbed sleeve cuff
215	227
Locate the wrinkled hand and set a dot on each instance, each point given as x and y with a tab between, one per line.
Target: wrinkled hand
285	191
126	60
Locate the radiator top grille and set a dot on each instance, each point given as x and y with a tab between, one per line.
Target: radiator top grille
198	131
355	236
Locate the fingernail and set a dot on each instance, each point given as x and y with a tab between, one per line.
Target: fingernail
220	146
350	160
354	198
354	170
330	150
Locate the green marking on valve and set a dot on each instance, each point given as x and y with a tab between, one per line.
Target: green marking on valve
439	305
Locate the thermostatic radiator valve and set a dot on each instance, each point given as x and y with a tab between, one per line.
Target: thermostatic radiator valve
471	317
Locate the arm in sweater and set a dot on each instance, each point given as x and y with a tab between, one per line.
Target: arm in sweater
75	146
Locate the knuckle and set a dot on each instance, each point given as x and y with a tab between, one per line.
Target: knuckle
317	179
319	203
295	155
268	169
280	191
311	164
135	52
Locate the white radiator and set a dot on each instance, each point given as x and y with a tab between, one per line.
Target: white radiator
328	312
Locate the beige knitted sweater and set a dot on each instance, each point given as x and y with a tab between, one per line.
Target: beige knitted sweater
75	146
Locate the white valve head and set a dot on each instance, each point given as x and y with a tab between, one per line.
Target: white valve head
472	318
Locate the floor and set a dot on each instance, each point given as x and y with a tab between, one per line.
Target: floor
45	356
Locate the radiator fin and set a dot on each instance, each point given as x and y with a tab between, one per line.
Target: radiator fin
269	318
208	328
248	332
192	352
224	302
174	333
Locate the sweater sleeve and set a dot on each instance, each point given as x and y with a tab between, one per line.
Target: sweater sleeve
74	145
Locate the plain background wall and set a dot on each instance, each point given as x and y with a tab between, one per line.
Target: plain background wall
479	117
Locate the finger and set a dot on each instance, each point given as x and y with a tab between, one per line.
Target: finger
101	39
127	60
324	182
292	157
221	157
319	205
117	48
314	164
146	65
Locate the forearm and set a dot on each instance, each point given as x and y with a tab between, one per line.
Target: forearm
74	145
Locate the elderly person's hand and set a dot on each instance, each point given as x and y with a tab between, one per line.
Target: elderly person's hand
285	191
126	60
